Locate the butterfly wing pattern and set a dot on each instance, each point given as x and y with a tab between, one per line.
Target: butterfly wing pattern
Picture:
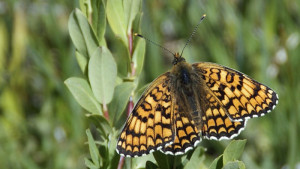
215	122
231	99
150	126
240	96
204	97
187	135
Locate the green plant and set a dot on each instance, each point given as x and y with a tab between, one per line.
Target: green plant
105	94
42	125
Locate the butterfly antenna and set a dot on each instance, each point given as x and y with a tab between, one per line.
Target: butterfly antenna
194	31
165	49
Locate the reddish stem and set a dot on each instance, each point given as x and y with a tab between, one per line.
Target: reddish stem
106	115
132	69
130	103
130	106
129	109
121	162
130	43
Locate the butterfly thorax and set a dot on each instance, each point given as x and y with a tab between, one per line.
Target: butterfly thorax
182	71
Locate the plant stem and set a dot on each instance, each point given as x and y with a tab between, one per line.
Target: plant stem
130	103
121	162
106	115
130	44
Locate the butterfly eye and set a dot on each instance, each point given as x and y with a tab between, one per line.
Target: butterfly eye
175	61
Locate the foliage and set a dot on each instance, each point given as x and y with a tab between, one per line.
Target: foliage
42	124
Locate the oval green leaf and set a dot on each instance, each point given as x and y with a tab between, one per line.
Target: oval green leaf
116	20
138	56
83	94
82	34
217	163
120	100
99	20
235	165
131	8
102	74
196	159
82	61
234	150
101	123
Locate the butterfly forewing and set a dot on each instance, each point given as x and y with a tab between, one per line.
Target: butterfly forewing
150	125
240	96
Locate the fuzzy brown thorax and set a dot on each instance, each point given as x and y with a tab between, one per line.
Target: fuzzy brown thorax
181	69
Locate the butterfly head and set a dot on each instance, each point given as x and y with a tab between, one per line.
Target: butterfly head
177	59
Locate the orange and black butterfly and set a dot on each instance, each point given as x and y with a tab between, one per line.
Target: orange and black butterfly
193	100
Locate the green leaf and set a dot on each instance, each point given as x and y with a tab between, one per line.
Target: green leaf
235	165
82	61
82	34
102	74
103	150
101	123
93	149
90	164
138	56
140	162
231	165
112	144
162	160
136	24
99	20
83	4
131	8
116	20
151	165
113	163
139	92
83	94
217	163
241	165
234	150
120	100
196	160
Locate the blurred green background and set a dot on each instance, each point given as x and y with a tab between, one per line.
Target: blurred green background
41	125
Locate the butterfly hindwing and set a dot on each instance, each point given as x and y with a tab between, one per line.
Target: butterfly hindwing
149	126
187	135
240	96
215	122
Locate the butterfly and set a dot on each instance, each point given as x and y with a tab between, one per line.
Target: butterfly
192	99
189	102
